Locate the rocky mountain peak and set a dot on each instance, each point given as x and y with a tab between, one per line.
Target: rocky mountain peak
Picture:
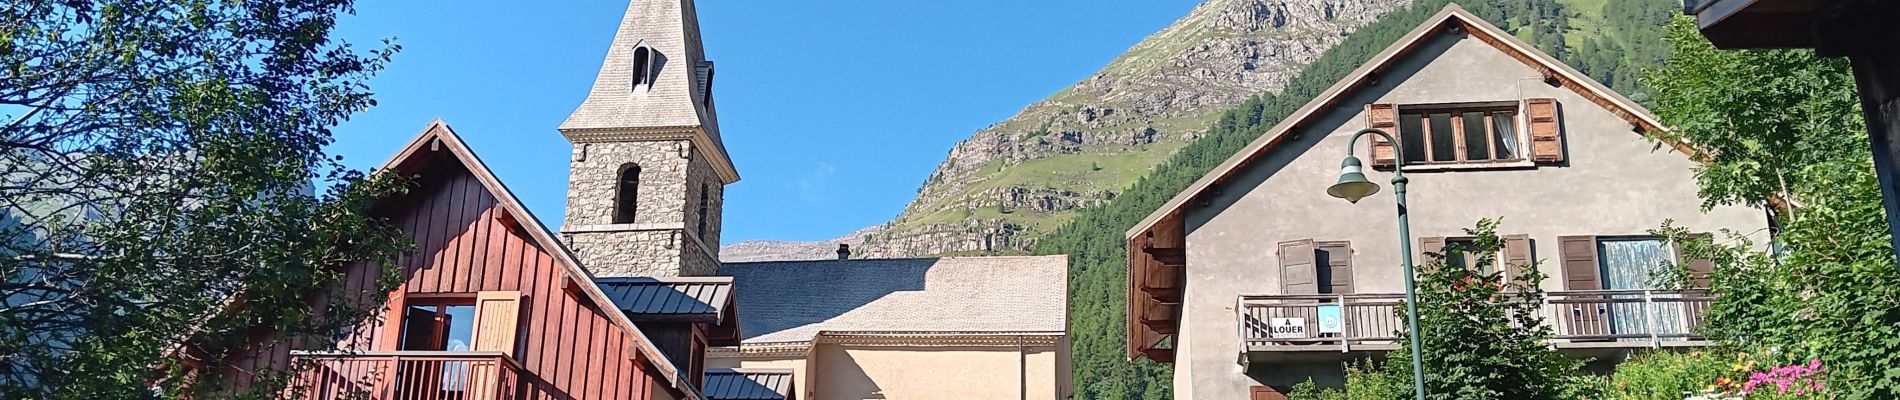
1000	189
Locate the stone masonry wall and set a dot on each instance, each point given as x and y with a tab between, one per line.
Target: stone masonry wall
666	210
641	253
594	173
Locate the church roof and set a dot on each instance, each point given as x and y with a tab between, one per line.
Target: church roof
748	384
795	301
677	296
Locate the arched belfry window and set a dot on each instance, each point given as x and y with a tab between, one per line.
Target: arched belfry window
642	65
626	193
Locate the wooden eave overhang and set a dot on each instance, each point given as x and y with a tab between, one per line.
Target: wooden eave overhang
1156	258
437	139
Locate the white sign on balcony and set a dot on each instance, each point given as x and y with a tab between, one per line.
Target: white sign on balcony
1287	328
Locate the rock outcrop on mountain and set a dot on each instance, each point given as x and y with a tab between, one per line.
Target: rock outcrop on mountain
997	191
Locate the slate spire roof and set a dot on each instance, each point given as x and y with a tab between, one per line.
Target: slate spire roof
676	104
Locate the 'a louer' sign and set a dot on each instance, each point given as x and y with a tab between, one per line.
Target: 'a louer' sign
1287	328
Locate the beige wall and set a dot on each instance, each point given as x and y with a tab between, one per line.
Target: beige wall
1614	183
833	371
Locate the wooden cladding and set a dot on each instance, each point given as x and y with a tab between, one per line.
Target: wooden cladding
1384	117
1547	144
466	247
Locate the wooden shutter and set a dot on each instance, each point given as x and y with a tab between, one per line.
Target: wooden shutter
1427	246
1547	145
1264	393
1298	267
1581	272
1385	117
1581	269
393	320
1698	268
1517	255
1335	266
497	316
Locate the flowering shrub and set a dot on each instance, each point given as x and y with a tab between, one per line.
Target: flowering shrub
1698	376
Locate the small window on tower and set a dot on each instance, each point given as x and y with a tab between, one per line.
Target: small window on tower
626	194
642	65
703	191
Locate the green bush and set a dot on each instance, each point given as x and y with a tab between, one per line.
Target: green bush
1364	381
1666	375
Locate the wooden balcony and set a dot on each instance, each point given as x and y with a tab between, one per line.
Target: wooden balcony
406	375
1584	323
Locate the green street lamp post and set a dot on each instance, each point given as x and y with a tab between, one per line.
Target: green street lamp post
1353	186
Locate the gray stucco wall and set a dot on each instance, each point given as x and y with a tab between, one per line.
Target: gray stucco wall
1614	183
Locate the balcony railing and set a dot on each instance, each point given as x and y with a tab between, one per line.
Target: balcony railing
1578	319
407	375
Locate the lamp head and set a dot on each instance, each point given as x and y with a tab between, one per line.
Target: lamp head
1352	184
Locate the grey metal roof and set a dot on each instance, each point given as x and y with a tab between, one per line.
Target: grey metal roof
748	384
668	296
792	301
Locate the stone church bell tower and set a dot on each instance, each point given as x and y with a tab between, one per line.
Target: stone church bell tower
648	173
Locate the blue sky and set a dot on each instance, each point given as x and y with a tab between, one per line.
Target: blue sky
833	111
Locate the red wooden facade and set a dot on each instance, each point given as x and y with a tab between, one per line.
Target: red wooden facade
541	329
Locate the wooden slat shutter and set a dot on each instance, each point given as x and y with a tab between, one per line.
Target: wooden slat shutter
1517	255
1335	266
1429	245
1298	267
1547	145
1698	268
1264	393
497	317
1581	270
1385	117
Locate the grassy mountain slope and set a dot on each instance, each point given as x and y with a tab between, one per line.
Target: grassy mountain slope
997	191
1093	238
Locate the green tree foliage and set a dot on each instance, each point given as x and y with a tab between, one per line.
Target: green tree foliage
1483	336
158	161
1093	240
1782	128
1630	38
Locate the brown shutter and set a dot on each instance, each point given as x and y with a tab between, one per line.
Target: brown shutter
1698	268
1587	316
1336	266
1427	246
497	315
1385	117
1547	145
1298	272
1579	255
1517	255
1264	393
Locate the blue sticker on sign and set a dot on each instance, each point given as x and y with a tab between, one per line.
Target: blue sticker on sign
1330	320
